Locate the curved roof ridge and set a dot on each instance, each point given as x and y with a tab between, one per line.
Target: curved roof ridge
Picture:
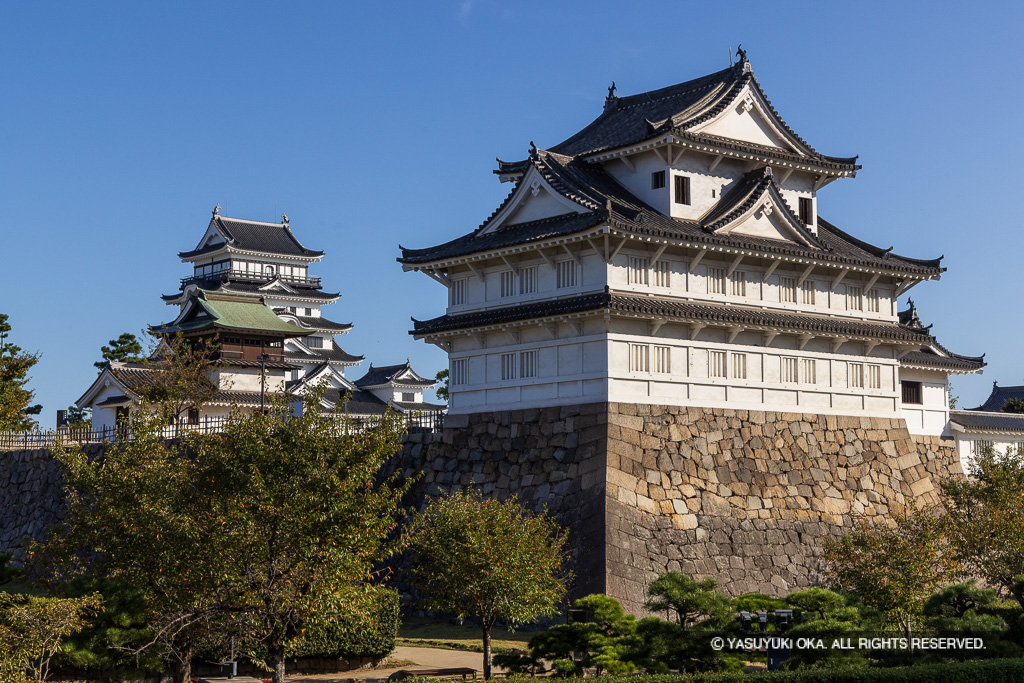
878	252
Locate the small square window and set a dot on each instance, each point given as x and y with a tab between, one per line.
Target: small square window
806	210
657	180
912	392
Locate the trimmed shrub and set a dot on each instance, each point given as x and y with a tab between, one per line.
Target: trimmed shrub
344	639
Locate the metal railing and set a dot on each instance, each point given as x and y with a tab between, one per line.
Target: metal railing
419	422
246	276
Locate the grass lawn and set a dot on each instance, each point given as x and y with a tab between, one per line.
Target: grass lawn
423	632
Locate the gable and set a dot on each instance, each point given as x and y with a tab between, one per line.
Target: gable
766	220
533	199
211	237
750	120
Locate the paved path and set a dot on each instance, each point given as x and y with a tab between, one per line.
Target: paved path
425	657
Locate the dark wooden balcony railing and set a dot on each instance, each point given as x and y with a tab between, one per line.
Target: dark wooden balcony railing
246	276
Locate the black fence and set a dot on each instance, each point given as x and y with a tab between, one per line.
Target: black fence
423	421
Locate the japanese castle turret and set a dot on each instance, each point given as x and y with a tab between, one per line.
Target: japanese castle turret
672	253
251	290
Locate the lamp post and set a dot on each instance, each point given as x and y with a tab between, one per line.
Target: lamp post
263	358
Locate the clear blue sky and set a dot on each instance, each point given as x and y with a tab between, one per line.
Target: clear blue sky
374	124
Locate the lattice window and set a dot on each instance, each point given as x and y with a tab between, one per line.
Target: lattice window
808	371
662	360
638	267
716	280
717	364
662	274
508	366
528	280
639	358
460	372
739	365
807	290
459	291
790	372
854	298
874	301
565	274
874	377
738	283
508	284
855	375
787	290
528	364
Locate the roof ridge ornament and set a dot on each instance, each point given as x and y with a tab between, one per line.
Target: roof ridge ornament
216	211
611	99
284	218
742	65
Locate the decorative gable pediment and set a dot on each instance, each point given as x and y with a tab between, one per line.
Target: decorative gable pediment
750	119
765	220
533	199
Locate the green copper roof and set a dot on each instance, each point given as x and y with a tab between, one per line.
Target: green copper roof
230	311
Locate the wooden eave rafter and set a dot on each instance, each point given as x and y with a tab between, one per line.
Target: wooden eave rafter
662	145
703	248
770	331
226	248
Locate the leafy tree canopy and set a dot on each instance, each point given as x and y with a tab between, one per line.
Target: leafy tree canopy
442	389
489	559
1013	405
688	599
32	630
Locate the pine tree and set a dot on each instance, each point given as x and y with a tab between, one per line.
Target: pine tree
14	397
125	348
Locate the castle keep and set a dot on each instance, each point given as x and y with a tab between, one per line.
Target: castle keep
658	335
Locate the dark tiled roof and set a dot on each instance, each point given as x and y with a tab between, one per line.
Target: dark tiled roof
360	403
988	421
593	189
300	292
114	401
999	396
387	374
677	109
335	354
413	407
272	238
952	361
315	322
674	309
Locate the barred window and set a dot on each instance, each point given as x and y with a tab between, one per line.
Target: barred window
460	372
565	274
854	298
874	301
807	290
528	280
739	283
787	290
637	270
808	371
717	364
874	377
662	360
855	375
790	373
912	392
716	280
508	283
639	358
662	274
739	365
979	446
508	366
459	291
528	364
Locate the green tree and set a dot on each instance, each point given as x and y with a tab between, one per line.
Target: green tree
1013	405
32	630
78	418
15	364
894	569
688	599
985	518
488	559
274	525
125	348
605	641
183	375
442	379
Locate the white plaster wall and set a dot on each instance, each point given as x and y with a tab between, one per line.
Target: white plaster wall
932	416
248	379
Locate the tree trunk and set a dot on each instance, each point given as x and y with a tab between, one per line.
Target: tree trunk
487	650
181	668
276	653
907	631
